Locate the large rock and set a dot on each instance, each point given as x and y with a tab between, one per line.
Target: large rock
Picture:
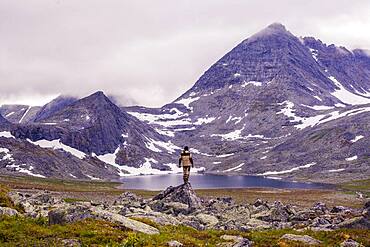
235	241
355	223
75	213
183	194
8	211
305	239
350	243
208	220
124	221
69	214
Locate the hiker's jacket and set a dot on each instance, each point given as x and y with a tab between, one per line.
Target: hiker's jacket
185	159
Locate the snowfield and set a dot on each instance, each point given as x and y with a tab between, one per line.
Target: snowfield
57	144
287	171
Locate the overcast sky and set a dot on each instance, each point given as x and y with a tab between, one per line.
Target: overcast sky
147	52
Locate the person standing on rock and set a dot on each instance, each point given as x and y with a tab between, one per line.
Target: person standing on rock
186	161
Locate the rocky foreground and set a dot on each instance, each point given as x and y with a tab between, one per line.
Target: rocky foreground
181	206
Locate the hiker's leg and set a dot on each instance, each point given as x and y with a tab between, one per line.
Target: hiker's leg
186	170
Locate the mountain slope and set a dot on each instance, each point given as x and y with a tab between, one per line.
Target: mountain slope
264	93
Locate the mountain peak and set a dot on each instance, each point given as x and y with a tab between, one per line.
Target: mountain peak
277	26
274	29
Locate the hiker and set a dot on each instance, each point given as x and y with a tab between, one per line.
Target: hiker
186	161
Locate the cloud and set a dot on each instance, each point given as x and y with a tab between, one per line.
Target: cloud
147	52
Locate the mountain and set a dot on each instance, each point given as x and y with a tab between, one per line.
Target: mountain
276	105
53	106
3	122
271	91
96	129
19	113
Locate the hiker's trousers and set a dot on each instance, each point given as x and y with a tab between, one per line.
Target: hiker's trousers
186	170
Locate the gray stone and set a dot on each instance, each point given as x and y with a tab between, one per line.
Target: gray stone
71	243
208	220
174	243
8	211
236	241
350	243
355	223
301	238
183	194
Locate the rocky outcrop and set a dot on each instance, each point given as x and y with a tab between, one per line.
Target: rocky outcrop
8	211
235	241
181	206
181	199
75	213
304	239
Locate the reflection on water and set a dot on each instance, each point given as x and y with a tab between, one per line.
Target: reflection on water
203	181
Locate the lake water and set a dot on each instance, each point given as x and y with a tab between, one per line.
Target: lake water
208	181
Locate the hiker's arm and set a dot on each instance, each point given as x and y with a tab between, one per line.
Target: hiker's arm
191	161
180	162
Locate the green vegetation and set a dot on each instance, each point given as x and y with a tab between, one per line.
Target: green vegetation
61	185
5	200
362	186
19	231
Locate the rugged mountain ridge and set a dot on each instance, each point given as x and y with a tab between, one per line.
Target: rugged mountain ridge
270	91
276	105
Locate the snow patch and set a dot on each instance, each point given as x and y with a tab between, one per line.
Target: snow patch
352	158
91	177
28	109
22	169
317	97
346	96
153	145
319	107
6	134
224	155
57	144
236	168
187	101
287	171
201	121
9	114
336	170
357	138
254	83
314	54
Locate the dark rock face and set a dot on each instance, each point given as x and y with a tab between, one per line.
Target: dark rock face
54	106
19	113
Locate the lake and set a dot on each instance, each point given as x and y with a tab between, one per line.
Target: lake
209	181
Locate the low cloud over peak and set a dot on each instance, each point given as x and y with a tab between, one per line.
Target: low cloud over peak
147	52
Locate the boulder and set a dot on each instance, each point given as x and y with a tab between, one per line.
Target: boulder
340	209
129	199
124	221
183	194
355	223
278	212
79	212
305	239
70	243
8	211
235	241
174	243
207	220
349	243
69	214
320	208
